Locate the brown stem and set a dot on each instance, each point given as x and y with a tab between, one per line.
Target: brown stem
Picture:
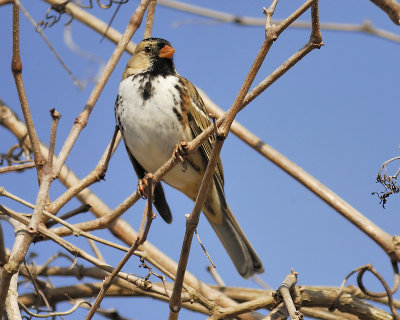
150	19
388	291
113	145
391	7
269	13
284	289
55	115
18	167
16	68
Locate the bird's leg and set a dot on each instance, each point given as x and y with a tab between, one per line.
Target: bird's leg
180	152
143	187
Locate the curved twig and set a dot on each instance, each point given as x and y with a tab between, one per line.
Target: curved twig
77	304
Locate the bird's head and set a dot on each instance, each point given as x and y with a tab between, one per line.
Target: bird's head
152	55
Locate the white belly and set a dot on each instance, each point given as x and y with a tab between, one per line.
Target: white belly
151	128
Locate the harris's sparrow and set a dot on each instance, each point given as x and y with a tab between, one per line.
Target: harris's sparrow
155	109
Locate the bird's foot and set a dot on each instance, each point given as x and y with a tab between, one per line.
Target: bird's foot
180	152
143	187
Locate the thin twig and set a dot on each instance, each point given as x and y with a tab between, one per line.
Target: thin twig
218	279
150	19
96	250
372	270
213	266
17	167
55	115
388	291
16	67
269	13
77	304
111	148
39	292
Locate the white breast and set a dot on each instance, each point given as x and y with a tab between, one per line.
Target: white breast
150	126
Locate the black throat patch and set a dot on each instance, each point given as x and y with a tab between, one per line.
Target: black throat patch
147	90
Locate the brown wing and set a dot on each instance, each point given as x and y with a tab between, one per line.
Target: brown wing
199	120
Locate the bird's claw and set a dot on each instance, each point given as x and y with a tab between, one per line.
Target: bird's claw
180	152
142	187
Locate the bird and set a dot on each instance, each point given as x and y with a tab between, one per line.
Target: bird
155	110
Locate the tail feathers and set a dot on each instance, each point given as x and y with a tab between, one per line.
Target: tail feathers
237	245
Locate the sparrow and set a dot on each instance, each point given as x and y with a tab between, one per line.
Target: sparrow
155	110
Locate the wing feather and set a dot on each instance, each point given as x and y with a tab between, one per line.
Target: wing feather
199	120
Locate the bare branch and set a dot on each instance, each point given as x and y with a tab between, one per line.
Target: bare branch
284	290
150	19
16	67
391	7
18	167
77	304
55	115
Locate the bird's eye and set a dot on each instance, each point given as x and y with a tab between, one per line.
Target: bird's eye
147	49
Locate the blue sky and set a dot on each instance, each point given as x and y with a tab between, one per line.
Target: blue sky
335	114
